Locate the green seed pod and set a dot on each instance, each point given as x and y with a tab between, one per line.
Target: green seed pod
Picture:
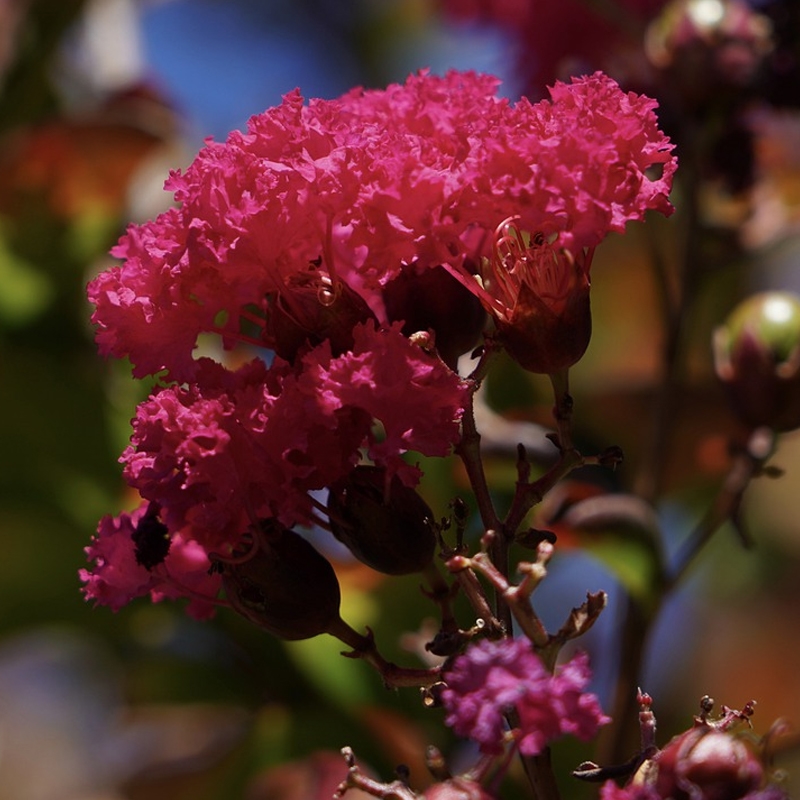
385	524
757	357
284	586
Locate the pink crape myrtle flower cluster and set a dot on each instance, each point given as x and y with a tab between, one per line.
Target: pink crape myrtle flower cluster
354	189
493	677
313	238
350	251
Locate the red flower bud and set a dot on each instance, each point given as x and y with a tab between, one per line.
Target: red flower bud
282	585
383	522
706	764
757	356
434	300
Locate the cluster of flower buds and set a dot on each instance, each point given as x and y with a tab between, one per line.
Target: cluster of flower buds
710	57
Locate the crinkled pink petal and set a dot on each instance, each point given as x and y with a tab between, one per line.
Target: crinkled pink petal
415	397
189	575
365	184
114	576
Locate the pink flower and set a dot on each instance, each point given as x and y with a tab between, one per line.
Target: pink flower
349	191
237	447
415	398
594	146
286	237
117	574
492	678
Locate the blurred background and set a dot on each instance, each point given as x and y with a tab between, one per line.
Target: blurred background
98	100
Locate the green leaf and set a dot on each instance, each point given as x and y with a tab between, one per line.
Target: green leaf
26	291
622	531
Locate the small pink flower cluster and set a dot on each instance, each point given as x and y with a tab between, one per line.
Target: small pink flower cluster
494	678
294	237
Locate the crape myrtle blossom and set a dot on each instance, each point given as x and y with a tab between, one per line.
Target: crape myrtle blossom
251	444
294	236
216	456
117	574
495	677
535	282
360	186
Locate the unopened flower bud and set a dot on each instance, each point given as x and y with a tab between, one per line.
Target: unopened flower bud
383	522
706	764
708	43
282	585
456	789
757	356
545	335
538	295
313	310
434	300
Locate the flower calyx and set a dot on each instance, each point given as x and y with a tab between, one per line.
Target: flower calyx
538	294
281	583
384	523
